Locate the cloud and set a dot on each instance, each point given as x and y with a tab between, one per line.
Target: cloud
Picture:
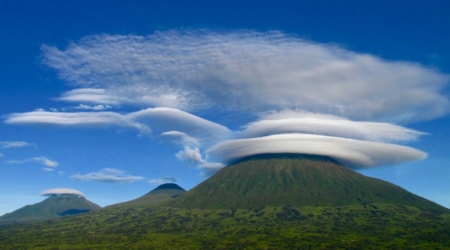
309	123
57	191
162	120
90	95
166	179
43	160
159	120
356	154
181	138
65	118
191	155
110	175
96	107
210	168
14	144
1	155
48	169
246	71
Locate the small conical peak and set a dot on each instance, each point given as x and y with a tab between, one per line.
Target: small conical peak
167	186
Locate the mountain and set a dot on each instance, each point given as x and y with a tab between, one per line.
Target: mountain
294	180
162	193
53	207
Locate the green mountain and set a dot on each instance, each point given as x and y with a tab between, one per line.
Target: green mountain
53	207
294	180
162	193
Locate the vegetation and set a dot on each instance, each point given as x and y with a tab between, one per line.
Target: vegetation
368	226
53	207
263	202
296	180
154	198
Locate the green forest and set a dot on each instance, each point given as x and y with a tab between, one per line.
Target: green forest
365	226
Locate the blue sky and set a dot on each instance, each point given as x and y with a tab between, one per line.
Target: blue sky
112	98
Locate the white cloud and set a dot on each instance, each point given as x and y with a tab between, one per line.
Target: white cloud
181	138
107	175
96	107
246	71
309	123
159	120
48	169
353	153
64	118
57	191
168	119
14	144
90	95
1	155
43	160
210	168
191	155
166	179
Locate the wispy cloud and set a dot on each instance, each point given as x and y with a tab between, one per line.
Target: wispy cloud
1	155
110	175
166	179
43	160
246	71
96	107
181	138
15	144
53	191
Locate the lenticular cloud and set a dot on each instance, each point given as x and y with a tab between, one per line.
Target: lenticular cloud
356	154
58	191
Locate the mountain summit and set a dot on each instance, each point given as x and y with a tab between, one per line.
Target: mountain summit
162	193
296	180
55	206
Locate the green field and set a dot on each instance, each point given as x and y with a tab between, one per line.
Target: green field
367	226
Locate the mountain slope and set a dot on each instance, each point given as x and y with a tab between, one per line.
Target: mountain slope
53	207
296	180
162	193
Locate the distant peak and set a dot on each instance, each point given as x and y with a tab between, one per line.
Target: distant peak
168	186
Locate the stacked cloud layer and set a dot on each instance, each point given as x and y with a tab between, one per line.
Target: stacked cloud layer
179	73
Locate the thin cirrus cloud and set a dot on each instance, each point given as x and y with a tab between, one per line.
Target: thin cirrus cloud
246	71
14	144
43	160
59	191
96	107
356	154
109	175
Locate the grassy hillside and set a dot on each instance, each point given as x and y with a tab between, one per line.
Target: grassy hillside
369	226
296	180
53	207
162	193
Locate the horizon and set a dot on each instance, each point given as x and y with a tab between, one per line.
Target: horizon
112	100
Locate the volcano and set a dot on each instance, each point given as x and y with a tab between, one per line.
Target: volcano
53	207
293	180
162	193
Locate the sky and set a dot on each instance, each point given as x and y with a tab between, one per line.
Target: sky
109	99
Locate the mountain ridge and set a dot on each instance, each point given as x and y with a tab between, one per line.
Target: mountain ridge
160	194
53	207
293	179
